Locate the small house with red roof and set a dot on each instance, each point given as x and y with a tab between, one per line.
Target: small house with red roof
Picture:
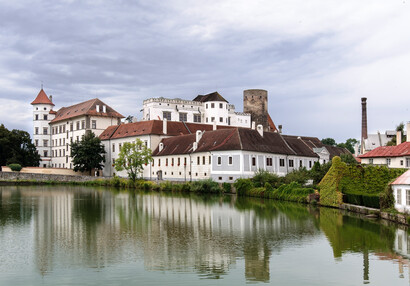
391	156
401	192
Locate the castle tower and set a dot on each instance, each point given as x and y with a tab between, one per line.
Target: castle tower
255	102
42	115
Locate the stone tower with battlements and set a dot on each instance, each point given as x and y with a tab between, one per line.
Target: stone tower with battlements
255	102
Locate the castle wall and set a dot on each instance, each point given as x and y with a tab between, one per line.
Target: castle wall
255	102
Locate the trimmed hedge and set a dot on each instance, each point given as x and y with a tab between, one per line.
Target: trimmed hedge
15	167
362	199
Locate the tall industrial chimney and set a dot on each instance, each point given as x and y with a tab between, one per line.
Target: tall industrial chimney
364	118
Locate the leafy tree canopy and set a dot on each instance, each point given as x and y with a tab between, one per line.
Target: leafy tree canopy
393	141
132	158
16	147
329	141
88	153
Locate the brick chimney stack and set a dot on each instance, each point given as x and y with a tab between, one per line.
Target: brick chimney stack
364	118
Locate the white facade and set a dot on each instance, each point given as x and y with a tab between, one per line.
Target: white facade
401	197
64	132
391	162
42	133
208	112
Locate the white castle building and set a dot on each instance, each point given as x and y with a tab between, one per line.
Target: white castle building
205	109
55	130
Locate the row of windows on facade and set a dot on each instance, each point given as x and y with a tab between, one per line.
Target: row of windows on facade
388	162
269	161
56	153
55	142
62	129
59	165
120	145
399	200
221	105
197	118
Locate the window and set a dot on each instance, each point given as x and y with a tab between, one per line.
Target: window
203	160
300	164
230	160
45	130
45	143
290	163
198	160
71	127
63	141
166	162
408	197
59	142
230	178
94	124
220	178
282	162
182	116
59	153
219	160
398	197
310	164
185	161
36	116
166	115
36	130
229	121
221	119
36	142
197	118
212	105
179	161
78	125
253	161
209	160
268	161
388	161
212	119
45	116
207	120
159	162
172	162
63	128
221	105
45	153
83	124
113	146
206	106
408	162
401	163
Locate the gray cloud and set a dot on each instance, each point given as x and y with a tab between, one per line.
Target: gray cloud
316	58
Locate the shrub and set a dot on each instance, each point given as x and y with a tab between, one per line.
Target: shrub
242	186
15	167
205	186
227	188
268	188
115	182
362	199
300	176
262	177
387	199
166	186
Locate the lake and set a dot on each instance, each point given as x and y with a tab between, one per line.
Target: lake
65	235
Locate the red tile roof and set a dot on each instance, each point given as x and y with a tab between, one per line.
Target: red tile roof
403	179
389	151
42	98
85	108
271	124
234	139
139	128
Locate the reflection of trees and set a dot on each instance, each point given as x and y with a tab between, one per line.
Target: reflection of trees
14	209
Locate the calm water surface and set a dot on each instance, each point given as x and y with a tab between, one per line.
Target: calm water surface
88	236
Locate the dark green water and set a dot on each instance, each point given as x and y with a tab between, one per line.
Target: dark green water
86	236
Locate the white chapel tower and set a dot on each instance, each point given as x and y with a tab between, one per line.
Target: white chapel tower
42	115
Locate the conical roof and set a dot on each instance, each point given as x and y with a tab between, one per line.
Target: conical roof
42	98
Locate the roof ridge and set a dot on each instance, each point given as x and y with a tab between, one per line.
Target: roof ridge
290	148
240	139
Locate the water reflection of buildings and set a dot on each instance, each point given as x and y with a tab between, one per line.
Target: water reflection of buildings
95	229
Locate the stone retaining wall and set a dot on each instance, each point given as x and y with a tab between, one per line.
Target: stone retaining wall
13	176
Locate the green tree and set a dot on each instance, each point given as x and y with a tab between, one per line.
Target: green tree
349	144
16	147
329	141
348	159
88	153
132	158
393	141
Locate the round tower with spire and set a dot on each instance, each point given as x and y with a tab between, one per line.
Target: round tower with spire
42	115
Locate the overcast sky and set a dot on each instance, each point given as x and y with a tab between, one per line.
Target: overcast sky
315	58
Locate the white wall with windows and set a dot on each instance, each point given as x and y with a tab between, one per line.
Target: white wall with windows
402	197
391	162
42	132
220	112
